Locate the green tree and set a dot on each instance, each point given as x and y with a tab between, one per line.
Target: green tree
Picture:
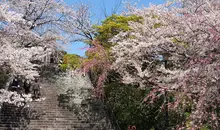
71	61
111	26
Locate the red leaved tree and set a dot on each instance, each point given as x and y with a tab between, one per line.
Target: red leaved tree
98	62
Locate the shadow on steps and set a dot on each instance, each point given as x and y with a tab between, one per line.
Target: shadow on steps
14	117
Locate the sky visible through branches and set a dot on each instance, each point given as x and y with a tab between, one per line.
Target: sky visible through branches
99	8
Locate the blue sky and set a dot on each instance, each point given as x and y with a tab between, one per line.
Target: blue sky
98	8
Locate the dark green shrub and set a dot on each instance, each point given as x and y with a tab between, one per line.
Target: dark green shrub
128	106
127	103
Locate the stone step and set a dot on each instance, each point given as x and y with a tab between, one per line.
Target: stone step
66	129
9	128
15	128
52	122
57	120
57	125
10	125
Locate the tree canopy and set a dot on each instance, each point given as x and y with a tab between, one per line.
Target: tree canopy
71	61
113	25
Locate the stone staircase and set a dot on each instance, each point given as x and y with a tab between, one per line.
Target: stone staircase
48	114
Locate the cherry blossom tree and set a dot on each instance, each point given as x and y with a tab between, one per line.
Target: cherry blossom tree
99	62
191	72
11	53
30	30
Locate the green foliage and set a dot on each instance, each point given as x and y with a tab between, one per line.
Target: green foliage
127	103
205	127
71	61
157	25
111	26
179	42
63	67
